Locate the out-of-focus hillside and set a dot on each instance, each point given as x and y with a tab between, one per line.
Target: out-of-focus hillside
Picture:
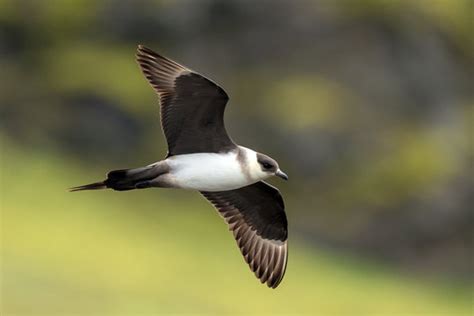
161	252
367	105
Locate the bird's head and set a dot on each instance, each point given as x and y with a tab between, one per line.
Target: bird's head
268	167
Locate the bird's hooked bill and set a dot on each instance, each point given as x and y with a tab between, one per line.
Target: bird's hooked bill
281	174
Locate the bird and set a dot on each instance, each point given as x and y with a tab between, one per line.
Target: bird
202	157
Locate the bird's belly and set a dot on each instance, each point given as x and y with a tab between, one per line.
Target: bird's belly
207	172
209	181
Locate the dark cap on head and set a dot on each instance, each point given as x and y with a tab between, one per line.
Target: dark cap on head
269	165
266	163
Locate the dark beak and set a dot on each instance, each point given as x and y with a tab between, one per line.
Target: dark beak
281	174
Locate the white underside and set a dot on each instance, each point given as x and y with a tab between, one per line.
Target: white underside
210	171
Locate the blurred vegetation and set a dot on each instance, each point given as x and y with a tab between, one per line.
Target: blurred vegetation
366	104
165	252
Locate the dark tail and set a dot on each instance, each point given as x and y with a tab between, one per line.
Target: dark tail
126	179
92	186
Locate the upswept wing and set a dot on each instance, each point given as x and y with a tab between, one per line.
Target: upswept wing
192	106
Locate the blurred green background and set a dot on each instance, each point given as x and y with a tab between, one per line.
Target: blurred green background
367	105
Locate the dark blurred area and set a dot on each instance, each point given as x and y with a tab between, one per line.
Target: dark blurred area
367	105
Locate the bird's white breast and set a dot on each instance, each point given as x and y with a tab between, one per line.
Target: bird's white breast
211	171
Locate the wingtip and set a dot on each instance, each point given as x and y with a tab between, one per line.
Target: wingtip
144	50
272	284
141	49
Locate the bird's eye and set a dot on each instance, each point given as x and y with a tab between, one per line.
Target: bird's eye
266	165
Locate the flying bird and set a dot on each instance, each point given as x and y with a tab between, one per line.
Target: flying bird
201	156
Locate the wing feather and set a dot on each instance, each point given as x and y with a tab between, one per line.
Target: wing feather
255	215
192	106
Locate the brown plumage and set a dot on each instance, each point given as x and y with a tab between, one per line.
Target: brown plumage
192	106
255	214
192	117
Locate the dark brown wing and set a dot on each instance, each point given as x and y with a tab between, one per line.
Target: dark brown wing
192	106
256	216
